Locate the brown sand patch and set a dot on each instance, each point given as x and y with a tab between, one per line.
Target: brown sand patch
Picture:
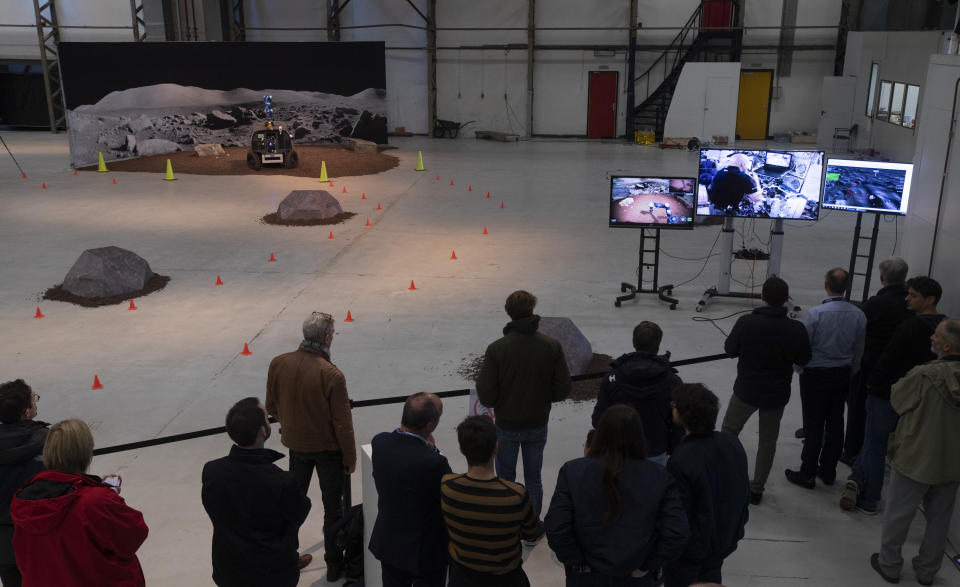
340	163
58	294
340	218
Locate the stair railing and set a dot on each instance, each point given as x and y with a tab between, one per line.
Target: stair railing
674	52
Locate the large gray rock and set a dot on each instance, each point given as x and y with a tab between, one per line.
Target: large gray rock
218	119
209	150
361	146
107	271
576	348
308	205
156	147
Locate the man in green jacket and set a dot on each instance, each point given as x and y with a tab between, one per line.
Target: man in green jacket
924	463
522	374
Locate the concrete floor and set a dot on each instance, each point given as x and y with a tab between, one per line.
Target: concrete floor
174	365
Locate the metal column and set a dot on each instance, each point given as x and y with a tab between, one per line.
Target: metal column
531	43
431	66
333	20
48	35
139	24
631	69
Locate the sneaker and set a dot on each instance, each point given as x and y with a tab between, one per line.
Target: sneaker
305	559
334	572
875	563
867	510
798	478
755	497
850	495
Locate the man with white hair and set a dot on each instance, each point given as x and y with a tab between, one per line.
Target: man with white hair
308	396
732	183
924	467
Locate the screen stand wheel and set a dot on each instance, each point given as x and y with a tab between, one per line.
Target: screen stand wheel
663	292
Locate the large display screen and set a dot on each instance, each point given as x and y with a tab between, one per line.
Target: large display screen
760	184
867	186
651	202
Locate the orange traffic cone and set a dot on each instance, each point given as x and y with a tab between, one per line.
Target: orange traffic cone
219	281
43	185
272	258
368	222
331	235
349	318
96	383
484	230
344	189
246	350
74	172
25	175
453	255
451	182
488	195
378	206
501	205
114	181
132	306
39	314
469	188
412	287
363	196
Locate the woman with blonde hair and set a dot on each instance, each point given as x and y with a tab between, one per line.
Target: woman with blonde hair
71	528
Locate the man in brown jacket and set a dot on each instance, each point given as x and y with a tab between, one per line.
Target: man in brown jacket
308	396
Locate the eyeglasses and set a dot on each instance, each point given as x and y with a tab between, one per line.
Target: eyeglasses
36	397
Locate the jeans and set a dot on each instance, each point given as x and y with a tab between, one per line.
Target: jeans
685	572
330	473
531	443
857	409
868	470
903	498
738	412
822	393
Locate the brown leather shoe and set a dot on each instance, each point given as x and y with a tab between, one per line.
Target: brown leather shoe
305	559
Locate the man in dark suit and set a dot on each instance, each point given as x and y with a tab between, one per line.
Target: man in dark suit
409	537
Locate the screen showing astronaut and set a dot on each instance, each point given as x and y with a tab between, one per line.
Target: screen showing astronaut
867	186
651	202
760	184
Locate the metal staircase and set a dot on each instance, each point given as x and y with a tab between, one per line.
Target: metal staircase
697	41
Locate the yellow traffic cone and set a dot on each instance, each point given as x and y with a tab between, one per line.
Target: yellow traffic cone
323	172
419	161
101	166
169	176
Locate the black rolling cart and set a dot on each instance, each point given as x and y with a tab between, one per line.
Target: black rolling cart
649	261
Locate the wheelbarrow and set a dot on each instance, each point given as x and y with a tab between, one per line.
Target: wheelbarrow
448	128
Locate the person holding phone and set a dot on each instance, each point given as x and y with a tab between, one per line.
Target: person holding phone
73	529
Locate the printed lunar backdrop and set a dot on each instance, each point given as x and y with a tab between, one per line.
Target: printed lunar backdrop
131	99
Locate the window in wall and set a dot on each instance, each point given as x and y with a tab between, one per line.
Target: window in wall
896	103
872	91
910	106
883	105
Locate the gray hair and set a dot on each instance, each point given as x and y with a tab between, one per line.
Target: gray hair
893	271
318	328
951	330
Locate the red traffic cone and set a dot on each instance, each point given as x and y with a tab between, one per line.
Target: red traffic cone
344	189
331	235
451	182
438	177
484	230
132	306
368	222
488	195
43	185
96	383
453	255
272	258
363	196
219	281
39	314
246	350
25	175
412	287
378	206
74	172
114	181
469	188
331	184
349	318
501	205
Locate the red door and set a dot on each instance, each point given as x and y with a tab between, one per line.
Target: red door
602	105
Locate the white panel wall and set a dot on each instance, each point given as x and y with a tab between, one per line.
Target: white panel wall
901	56
705	101
22	43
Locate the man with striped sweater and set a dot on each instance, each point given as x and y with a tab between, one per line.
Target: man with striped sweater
486	516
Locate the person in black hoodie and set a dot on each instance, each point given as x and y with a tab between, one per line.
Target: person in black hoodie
255	506
768	344
885	310
644	380
21	457
711	472
908	347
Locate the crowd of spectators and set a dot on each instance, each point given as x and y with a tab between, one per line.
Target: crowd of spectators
659	495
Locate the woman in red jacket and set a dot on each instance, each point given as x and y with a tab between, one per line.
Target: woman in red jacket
70	528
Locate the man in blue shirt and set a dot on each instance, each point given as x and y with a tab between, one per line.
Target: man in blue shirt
837	331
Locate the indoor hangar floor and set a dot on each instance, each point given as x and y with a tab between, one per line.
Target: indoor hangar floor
175	365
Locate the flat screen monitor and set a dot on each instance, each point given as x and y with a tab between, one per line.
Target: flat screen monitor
867	186
651	202
760	184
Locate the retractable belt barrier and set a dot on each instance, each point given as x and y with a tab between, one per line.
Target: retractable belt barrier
398	399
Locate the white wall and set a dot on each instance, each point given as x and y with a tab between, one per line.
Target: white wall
705	102
902	57
22	43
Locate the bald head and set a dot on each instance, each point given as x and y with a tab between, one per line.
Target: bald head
740	160
835	281
421	413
